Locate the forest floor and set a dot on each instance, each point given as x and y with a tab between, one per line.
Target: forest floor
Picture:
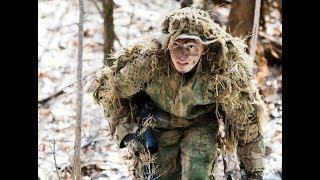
57	52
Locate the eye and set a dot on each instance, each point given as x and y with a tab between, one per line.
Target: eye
191	46
175	45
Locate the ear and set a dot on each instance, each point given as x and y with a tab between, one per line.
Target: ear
205	50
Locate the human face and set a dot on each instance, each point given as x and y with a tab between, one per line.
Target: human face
185	54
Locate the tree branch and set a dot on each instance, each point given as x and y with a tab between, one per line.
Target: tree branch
98	8
118	40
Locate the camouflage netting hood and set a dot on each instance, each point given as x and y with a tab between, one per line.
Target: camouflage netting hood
193	22
228	73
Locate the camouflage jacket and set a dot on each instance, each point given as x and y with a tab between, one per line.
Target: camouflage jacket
148	68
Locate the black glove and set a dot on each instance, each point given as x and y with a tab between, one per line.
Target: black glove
131	141
127	139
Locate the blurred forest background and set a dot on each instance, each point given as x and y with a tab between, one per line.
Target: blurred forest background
112	25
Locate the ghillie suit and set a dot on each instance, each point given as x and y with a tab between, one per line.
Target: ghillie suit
220	92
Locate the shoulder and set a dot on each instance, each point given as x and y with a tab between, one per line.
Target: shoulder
137	54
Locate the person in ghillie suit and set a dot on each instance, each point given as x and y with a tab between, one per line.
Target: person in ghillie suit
200	81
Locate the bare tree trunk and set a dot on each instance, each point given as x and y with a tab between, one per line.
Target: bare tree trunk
241	15
77	146
109	34
255	29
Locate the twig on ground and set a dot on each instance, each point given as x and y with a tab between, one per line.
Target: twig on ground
54	157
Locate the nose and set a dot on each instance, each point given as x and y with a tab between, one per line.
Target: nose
183	55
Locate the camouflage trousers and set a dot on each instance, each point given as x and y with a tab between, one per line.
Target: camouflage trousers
187	153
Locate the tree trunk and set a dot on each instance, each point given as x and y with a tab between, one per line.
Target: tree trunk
77	146
109	34
255	30
241	15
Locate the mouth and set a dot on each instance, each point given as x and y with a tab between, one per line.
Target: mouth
182	63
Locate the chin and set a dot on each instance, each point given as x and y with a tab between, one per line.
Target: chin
183	71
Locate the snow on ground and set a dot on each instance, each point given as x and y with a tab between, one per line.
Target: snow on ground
57	52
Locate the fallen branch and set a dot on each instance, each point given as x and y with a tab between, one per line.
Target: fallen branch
54	95
88	142
60	92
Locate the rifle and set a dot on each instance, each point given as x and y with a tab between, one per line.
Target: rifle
149	140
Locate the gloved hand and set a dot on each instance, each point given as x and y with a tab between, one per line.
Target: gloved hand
133	143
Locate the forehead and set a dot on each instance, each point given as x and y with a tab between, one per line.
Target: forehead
184	41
